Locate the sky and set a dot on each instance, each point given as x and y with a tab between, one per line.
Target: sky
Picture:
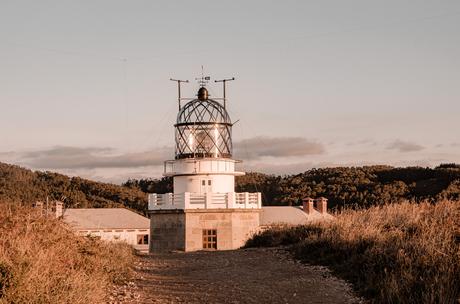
85	90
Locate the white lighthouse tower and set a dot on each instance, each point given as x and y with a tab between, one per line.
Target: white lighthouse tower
204	211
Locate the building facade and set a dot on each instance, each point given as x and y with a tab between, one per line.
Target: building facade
110	224
204	211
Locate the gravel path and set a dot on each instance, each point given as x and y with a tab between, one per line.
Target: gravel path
239	276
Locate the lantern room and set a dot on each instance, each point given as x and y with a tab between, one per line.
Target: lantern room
203	129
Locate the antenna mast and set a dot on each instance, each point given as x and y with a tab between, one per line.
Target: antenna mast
224	81
178	88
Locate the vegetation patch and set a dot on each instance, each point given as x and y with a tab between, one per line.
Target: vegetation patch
42	261
344	187
24	186
397	253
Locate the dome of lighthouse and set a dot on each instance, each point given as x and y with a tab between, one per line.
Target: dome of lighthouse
203	129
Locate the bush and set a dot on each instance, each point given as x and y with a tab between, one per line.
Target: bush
42	261
399	253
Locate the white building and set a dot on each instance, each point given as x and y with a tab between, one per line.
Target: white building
204	211
111	224
313	210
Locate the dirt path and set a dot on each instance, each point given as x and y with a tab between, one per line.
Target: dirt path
240	276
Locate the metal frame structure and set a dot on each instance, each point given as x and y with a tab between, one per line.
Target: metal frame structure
203	129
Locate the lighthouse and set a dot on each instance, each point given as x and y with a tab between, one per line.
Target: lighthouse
204	212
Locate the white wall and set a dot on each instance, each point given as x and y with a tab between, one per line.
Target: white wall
192	183
120	235
206	165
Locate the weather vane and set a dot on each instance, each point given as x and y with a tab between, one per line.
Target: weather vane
203	80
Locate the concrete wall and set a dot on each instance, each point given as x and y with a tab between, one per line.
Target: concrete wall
119	235
245	224
202	165
207	219
192	183
233	227
183	230
167	230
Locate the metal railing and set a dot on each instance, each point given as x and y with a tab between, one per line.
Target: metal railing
210	200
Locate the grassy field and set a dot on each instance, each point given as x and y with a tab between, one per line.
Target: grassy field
42	261
398	253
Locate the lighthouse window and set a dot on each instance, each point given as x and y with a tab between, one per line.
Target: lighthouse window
209	182
209	239
203	182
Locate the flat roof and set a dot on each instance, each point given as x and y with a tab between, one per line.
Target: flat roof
105	218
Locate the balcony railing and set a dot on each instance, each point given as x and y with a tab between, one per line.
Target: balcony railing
189	200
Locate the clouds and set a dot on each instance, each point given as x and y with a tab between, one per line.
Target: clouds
278	155
263	146
65	157
404	146
61	157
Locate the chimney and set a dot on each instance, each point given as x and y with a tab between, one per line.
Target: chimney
59	209
308	205
321	204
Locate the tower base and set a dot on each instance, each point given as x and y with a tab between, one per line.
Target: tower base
201	229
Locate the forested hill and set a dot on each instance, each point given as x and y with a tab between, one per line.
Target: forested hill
350	186
21	185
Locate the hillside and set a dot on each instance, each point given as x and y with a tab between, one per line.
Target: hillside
21	185
343	186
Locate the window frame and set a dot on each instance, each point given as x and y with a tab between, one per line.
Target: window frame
142	239
209	238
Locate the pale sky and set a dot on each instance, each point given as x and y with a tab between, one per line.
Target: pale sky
85	90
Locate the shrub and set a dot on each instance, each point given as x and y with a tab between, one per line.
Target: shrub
42	261
398	253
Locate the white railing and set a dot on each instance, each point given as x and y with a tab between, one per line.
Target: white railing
210	200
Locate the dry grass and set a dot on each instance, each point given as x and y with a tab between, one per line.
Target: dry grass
42	261
399	253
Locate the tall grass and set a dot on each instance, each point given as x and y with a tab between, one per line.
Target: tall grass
42	261
399	253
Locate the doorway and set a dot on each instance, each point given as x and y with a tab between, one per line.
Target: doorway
206	185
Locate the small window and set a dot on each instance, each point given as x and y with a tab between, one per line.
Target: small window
142	239
203	182
209	182
209	239
116	237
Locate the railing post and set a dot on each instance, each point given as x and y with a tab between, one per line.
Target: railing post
231	200
208	200
169	200
186	200
259	200
246	199
152	200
